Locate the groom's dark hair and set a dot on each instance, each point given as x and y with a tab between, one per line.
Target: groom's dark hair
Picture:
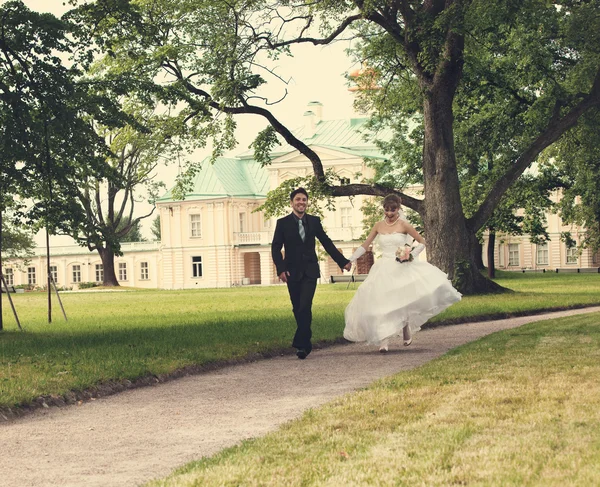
298	191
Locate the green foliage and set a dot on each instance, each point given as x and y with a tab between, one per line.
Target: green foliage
319	195
461	273
519	65
155	228
134	234
371	211
575	162
264	143
198	58
47	143
136	150
87	285
17	239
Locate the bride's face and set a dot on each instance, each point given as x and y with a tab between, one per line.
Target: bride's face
391	213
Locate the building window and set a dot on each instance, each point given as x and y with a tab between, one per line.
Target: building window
99	272
267	223
344	181
346	217
122	271
76	273
572	255
196	266
31	275
144	271
242	222
513	255
54	273
9	277
195	225
501	255
542	254
594	259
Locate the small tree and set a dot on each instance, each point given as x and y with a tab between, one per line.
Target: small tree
134	234
155	229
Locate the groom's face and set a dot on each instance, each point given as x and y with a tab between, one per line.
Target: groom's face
299	204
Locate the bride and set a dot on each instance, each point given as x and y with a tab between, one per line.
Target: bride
400	293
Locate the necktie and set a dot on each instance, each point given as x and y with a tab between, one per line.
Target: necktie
301	230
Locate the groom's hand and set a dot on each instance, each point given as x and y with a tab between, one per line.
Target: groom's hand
348	266
284	275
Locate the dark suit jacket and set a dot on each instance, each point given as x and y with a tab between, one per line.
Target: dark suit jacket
301	257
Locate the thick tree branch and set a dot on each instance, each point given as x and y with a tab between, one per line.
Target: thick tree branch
377	190
313	40
554	130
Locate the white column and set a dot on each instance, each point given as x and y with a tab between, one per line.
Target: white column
267	269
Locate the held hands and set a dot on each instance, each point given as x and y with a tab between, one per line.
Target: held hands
358	253
348	266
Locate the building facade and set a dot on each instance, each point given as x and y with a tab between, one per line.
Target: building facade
72	266
519	253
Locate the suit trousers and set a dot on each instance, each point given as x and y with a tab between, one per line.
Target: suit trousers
301	295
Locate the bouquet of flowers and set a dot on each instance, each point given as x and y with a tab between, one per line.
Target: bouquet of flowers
403	254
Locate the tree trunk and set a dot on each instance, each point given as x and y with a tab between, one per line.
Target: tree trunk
479	255
1	271
451	247
108	264
490	254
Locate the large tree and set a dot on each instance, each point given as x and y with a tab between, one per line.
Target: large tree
534	62
110	205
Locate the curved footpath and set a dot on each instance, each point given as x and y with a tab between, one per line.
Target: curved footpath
133	437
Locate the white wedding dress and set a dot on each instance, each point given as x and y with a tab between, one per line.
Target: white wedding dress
395	294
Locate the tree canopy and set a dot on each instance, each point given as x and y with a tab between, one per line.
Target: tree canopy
46	107
513	75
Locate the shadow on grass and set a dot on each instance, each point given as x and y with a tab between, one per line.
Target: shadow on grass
138	357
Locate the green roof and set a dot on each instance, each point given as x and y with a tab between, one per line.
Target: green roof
347	135
227	178
243	177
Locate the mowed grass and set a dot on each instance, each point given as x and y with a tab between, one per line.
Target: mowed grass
516	408
115	336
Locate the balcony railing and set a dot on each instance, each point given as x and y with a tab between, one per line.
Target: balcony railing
346	234
75	249
252	238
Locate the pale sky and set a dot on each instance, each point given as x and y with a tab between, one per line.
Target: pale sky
316	73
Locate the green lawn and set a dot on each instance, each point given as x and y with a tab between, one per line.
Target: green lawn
516	408
116	336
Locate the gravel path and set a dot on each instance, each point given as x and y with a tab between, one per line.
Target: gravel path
133	437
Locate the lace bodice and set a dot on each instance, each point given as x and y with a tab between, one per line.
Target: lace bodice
388	243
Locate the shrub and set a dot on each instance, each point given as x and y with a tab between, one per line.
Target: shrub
87	285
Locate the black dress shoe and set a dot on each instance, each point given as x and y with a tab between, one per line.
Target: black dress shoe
301	353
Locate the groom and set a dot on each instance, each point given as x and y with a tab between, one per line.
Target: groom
300	266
